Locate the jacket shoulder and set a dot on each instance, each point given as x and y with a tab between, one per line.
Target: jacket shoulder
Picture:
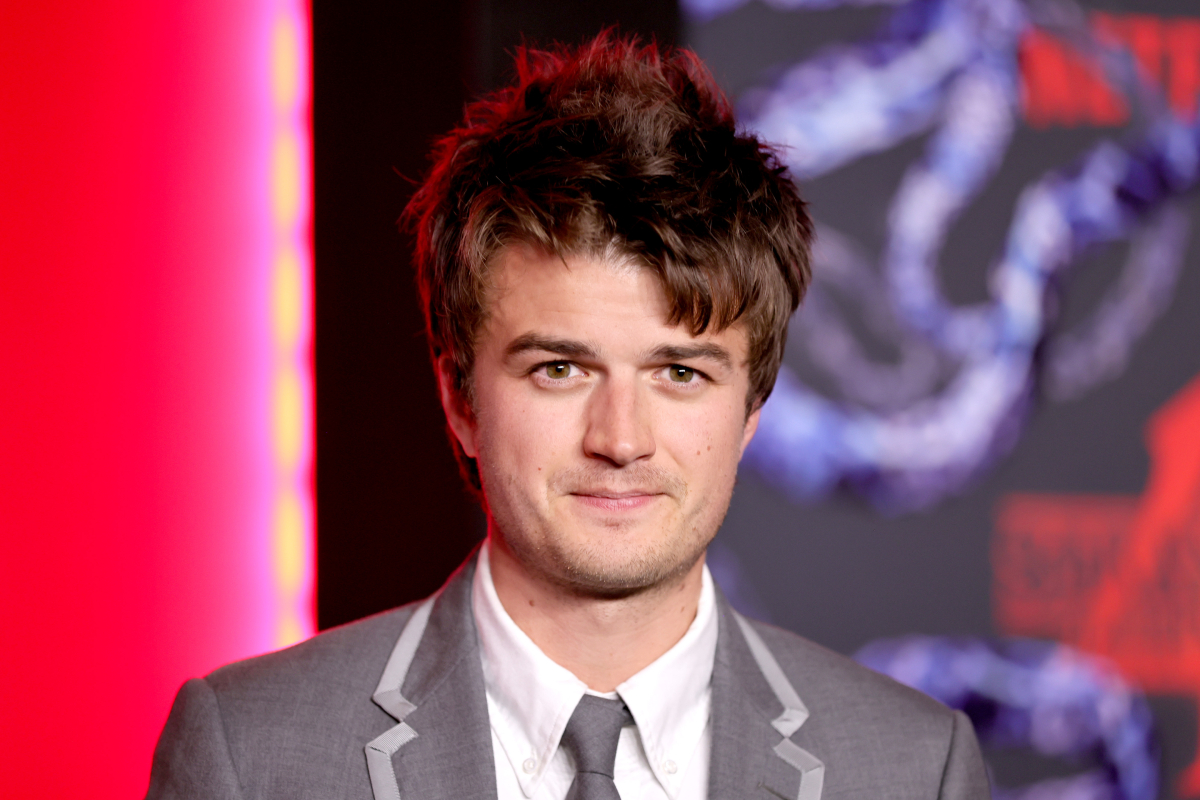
826	678
350	656
287	724
881	738
307	710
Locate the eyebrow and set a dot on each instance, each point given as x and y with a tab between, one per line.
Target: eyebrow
572	348
569	348
689	352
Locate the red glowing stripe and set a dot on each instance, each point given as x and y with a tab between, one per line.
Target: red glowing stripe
140	476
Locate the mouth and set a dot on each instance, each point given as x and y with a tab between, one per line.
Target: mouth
611	501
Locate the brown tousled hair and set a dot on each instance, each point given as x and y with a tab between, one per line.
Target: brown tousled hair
612	146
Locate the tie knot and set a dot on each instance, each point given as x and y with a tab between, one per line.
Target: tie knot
593	731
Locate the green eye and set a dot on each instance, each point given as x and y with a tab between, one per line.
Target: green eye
681	374
558	370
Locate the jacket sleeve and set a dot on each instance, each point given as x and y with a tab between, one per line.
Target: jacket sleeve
192	759
964	776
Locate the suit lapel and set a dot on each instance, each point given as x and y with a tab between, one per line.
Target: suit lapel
433	687
441	745
755	712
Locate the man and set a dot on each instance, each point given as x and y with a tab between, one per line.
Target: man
607	270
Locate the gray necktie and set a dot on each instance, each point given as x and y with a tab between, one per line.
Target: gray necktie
591	739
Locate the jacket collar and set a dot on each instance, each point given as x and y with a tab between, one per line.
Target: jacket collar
441	745
755	712
432	686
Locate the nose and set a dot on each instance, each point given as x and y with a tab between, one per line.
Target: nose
619	425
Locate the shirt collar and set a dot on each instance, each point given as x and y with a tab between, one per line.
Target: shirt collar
670	698
531	698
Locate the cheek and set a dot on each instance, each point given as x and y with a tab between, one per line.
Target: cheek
519	436
708	445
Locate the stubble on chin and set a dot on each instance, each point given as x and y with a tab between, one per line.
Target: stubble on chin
595	557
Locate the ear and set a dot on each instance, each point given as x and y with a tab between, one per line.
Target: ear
458	413
751	427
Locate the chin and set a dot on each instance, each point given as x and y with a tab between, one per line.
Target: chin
616	571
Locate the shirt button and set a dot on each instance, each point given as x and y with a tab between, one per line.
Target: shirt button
670	766
530	765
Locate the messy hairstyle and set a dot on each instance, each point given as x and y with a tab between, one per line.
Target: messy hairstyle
612	148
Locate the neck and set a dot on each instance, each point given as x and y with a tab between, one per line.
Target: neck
602	640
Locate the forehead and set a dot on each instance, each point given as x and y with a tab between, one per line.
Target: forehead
607	297
523	274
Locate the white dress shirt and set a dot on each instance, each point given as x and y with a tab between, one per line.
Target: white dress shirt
530	698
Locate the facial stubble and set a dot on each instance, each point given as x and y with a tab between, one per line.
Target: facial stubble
591	557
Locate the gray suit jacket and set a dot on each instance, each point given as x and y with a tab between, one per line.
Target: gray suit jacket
393	706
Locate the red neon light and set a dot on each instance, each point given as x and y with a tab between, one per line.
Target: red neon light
138	478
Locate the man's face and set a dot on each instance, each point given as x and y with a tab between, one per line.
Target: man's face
607	440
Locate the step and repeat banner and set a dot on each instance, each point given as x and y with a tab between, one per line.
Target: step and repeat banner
980	469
